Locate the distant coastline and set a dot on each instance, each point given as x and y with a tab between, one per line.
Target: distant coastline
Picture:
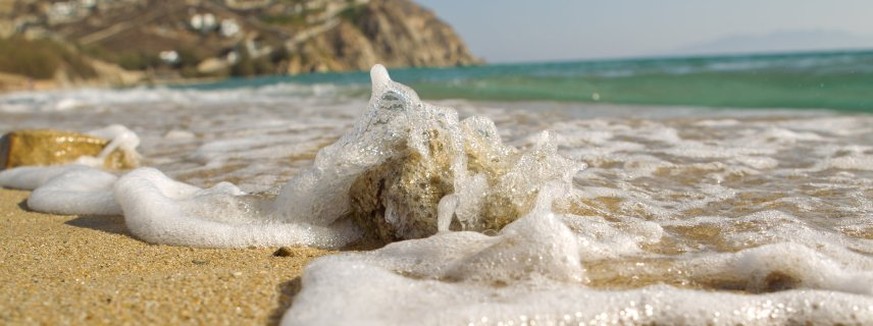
832	80
836	80
75	43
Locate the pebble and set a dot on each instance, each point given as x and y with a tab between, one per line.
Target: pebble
284	252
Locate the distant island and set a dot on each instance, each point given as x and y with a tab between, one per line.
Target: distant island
814	40
126	42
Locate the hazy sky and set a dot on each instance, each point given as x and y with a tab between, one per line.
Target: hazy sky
542	30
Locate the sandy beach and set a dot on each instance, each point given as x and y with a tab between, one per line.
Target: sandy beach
89	270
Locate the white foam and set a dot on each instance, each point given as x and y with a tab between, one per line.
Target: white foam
853	162
72	100
732	204
598	239
367	294
158	209
497	284
121	139
396	124
313	208
66	189
510	278
319	195
31	177
407	282
176	134
784	266
79	187
85	191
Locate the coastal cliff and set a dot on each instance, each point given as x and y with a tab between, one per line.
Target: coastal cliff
397	33
120	42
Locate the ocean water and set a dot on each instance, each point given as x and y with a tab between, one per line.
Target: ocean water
670	212
833	80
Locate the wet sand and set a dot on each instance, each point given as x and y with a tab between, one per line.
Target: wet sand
89	270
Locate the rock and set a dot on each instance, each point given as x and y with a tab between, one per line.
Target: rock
399	199
284	252
411	186
404	34
397	33
52	147
212	65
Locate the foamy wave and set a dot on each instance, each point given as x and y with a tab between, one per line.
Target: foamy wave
406	170
682	217
71	100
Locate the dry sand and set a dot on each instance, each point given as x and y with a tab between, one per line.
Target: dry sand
89	270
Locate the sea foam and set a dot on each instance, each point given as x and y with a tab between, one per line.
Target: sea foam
80	187
730	221
407	169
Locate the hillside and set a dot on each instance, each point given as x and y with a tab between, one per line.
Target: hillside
130	41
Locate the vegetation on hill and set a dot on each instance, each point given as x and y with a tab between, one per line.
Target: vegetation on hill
168	39
42	59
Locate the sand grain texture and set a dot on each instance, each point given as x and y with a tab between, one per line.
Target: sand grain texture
89	270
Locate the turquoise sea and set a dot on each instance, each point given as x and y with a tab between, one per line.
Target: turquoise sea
830	80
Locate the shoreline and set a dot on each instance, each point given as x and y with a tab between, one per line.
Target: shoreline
11	83
88	269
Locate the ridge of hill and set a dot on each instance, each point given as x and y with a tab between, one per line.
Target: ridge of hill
131	41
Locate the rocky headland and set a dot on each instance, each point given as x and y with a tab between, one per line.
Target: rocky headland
126	42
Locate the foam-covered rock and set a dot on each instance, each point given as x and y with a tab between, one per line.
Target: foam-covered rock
407	169
113	147
406	157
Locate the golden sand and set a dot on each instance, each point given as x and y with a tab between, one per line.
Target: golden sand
89	270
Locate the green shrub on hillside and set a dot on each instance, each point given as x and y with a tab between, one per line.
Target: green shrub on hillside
248	66
40	59
138	60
